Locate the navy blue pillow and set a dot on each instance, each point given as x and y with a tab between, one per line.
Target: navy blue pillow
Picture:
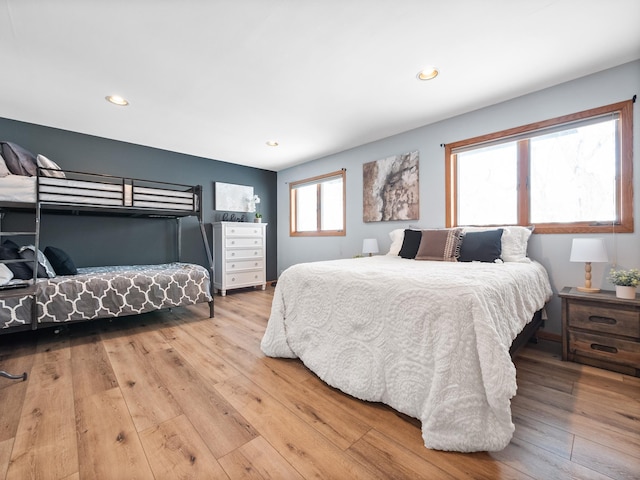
411	243
483	246
21	270
60	261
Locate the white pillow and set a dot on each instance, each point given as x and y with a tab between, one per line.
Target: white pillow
397	237
515	240
44	162
4	171
5	274
42	260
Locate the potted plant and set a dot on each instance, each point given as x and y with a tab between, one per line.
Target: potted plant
258	218
626	282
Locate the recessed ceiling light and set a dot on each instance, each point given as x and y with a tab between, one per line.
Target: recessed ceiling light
117	100
272	143
427	73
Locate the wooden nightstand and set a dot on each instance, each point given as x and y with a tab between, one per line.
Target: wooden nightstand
601	330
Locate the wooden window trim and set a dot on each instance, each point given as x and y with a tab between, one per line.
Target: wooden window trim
624	173
292	206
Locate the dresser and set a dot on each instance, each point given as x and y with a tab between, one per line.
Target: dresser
602	330
240	255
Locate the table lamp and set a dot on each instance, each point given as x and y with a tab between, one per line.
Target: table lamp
588	250
370	246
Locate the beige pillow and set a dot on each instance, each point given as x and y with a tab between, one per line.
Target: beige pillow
4	171
53	170
440	245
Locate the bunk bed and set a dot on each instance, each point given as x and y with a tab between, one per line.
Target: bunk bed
97	292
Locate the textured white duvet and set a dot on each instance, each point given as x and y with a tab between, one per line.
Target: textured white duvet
430	339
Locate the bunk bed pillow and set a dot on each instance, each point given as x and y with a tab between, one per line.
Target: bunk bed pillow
5	274
45	270
20	270
61	262
53	170
4	171
19	160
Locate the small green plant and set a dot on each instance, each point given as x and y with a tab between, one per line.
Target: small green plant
625	278
258	215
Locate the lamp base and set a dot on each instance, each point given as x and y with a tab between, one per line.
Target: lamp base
588	290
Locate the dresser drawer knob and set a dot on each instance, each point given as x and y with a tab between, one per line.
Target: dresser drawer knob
233	254
603	320
604	348
233	265
233	279
233	242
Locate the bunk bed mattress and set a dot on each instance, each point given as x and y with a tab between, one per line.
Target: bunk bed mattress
21	189
114	291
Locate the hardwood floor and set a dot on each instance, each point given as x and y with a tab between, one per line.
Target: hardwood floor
175	394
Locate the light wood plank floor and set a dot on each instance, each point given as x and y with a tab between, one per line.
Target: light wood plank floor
175	394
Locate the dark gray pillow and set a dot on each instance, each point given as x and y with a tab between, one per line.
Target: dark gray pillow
19	160
60	261
485	246
411	243
20	270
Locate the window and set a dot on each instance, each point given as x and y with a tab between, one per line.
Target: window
571	174
318	205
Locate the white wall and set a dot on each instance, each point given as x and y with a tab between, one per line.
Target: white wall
603	88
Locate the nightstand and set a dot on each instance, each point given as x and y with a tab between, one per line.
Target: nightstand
601	330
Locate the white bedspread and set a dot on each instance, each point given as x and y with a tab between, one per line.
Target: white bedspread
430	339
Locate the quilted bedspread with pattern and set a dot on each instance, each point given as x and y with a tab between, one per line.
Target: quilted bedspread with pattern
99	292
430	339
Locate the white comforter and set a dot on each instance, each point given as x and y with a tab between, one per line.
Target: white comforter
430	339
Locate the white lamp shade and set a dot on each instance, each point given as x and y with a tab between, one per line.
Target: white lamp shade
588	250
370	245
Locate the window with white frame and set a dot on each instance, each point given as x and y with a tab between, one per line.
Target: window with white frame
317	205
570	174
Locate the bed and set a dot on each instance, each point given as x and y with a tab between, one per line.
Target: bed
429	338
37	184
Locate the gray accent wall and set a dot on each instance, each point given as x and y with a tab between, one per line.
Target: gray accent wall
123	241
552	250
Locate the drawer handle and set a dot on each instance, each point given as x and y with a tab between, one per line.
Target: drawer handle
603	320
233	265
233	242
233	230
255	242
233	254
256	264
255	253
233	279
604	348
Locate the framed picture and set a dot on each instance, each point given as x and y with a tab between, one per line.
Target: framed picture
391	188
232	198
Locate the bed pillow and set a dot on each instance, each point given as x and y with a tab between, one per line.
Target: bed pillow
19	160
20	270
4	171
53	169
397	237
410	243
515	241
5	274
483	246
439	245
61	262
45	270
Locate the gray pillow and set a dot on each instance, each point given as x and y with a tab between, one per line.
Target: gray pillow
19	160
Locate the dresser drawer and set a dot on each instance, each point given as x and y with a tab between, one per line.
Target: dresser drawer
243	242
244	254
605	319
605	348
243	231
244	278
243	265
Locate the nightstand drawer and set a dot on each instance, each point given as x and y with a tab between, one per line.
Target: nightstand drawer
244	231
605	348
244	265
244	254
243	242
605	319
244	278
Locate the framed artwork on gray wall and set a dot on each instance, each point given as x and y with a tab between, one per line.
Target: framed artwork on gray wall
391	188
232	198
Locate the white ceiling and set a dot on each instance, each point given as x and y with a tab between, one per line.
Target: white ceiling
218	78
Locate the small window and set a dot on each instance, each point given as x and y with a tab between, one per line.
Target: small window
318	205
571	174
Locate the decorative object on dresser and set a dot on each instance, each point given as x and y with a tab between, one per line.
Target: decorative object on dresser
369	246
240	253
588	250
601	330
626	282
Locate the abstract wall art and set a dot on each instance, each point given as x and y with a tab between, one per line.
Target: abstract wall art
391	190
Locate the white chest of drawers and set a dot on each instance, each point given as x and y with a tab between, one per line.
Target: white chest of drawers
240	255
